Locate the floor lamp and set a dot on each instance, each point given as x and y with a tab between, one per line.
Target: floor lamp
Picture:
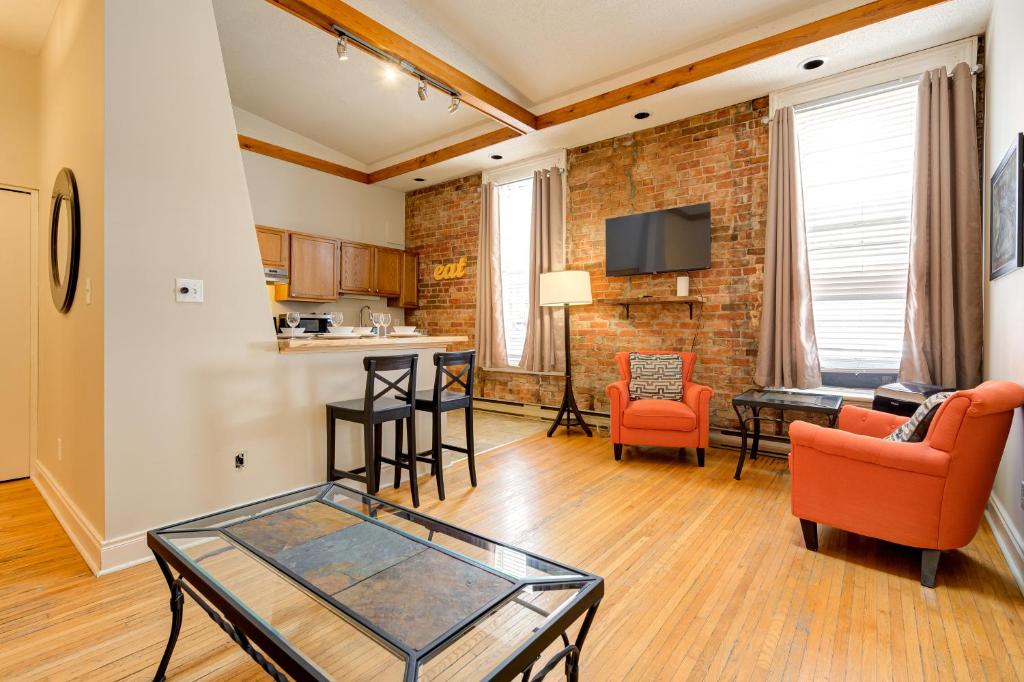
566	288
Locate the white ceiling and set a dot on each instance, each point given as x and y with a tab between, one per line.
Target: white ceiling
545	49
554	53
24	23
287	71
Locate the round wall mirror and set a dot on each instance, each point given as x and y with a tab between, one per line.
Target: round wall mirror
65	240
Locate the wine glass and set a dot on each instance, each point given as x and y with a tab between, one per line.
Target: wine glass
292	319
385	319
336	318
375	319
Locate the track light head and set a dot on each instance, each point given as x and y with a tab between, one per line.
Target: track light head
453	107
343	48
421	90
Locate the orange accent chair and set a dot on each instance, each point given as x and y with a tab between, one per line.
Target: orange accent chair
929	495
667	423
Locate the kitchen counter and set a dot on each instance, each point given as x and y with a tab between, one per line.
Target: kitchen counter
319	345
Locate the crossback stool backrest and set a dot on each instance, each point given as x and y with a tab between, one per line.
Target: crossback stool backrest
454	370
403	388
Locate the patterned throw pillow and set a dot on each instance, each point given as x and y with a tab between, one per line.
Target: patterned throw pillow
915	428
655	376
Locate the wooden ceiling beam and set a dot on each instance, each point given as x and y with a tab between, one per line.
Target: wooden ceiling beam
284	154
837	24
326	13
458	149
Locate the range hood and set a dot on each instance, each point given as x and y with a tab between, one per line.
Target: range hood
275	275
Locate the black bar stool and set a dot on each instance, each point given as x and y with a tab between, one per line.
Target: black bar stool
440	400
372	410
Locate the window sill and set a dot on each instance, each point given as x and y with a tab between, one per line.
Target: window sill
850	395
517	370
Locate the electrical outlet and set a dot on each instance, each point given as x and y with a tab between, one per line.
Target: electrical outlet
60	451
188	290
240	459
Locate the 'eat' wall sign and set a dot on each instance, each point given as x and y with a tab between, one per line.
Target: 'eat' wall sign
451	270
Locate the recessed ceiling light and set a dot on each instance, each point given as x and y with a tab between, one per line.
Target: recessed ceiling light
420	179
641	115
497	157
812	63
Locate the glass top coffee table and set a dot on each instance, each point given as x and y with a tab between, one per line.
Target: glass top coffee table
753	401
331	583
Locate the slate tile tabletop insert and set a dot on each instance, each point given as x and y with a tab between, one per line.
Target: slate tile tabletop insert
409	589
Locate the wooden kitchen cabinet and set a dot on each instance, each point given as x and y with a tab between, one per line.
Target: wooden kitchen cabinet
356	268
273	244
387	271
408	297
314	266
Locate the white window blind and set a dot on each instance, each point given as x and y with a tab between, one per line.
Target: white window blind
515	207
856	164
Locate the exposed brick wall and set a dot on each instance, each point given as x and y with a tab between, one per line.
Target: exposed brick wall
720	157
442	224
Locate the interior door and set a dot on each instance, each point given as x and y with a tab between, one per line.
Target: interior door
15	348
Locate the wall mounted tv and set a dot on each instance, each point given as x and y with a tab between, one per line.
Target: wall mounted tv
673	240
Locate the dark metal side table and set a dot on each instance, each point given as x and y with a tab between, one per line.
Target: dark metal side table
753	401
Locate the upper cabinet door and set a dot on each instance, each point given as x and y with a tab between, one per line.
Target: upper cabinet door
273	246
410	281
356	268
314	268
387	269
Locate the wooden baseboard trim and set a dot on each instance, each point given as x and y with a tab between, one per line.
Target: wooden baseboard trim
1007	538
80	531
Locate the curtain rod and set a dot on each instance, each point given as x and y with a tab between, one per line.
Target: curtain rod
975	70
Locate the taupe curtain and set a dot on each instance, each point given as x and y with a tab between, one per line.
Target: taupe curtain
943	328
787	353
490	325
544	349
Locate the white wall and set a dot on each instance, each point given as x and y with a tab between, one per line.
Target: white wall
19	116
286	195
71	130
1004	305
188	384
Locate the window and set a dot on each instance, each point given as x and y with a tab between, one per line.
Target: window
515	207
856	164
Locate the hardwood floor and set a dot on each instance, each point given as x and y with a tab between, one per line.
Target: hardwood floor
706	578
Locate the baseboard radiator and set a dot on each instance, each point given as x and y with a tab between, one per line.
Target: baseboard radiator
721	437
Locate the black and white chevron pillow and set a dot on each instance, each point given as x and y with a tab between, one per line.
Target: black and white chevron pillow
655	376
916	428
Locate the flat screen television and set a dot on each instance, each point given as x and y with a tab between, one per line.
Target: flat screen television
673	240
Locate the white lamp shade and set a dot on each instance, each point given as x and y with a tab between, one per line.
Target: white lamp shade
567	287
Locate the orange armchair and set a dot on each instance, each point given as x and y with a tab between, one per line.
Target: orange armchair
929	495
669	423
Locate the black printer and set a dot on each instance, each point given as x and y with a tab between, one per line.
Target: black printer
903	398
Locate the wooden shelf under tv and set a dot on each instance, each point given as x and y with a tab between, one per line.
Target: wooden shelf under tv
647	300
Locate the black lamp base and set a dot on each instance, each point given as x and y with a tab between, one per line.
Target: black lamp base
569	414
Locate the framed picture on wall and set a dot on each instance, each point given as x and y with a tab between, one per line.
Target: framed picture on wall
1006	218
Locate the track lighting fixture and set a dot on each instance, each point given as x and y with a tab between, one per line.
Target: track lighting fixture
393	66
